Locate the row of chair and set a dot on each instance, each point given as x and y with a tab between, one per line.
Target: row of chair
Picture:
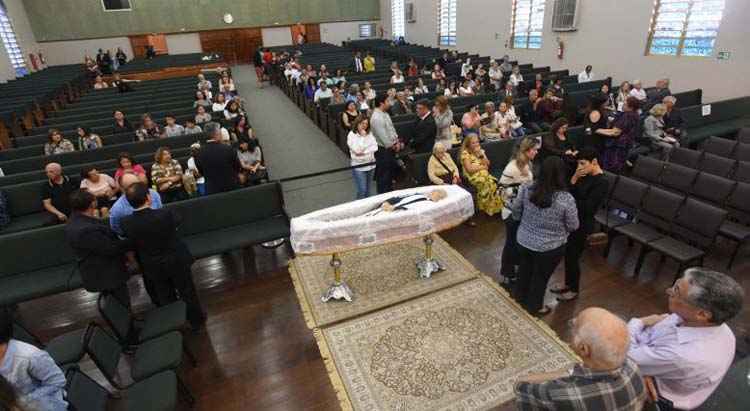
711	163
721	192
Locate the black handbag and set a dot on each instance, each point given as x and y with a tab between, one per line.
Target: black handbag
447	178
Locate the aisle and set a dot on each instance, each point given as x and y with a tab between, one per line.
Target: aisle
294	146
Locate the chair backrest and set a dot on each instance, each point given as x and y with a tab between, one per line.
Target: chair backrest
105	351
711	188
698	223
719	146
612	179
628	194
685	157
720	166
743	136
648	169
678	178
742	172
738	204
660	208
742	152
116	315
83	393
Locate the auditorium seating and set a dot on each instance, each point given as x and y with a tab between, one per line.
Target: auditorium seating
726	118
169	61
249	216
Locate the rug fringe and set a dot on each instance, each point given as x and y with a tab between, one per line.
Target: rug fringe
541	324
333	374
304	305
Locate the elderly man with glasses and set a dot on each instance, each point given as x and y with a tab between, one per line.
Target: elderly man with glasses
685	354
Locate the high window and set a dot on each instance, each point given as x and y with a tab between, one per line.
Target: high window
447	22
527	22
11	44
397	19
684	27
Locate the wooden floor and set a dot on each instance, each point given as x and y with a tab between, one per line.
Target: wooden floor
257	354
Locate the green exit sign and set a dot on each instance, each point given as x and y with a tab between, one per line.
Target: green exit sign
723	55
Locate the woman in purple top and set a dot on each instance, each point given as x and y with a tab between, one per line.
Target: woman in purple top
619	139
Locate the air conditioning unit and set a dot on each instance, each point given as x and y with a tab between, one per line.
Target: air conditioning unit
565	16
409	14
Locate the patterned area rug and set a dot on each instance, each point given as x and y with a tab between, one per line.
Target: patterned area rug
460	348
379	276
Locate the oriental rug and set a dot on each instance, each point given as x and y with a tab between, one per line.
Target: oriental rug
460	348
379	276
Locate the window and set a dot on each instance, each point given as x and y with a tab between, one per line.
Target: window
116	5
447	23
366	30
11	44
684	27
527	22
397	19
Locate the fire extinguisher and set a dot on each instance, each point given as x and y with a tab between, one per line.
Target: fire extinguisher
560	49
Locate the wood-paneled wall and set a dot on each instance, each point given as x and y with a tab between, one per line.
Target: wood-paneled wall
236	45
139	44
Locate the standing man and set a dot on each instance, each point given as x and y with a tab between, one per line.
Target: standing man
218	162
56	194
586	75
388	145
99	252
425	130
166	259
589	188
357	65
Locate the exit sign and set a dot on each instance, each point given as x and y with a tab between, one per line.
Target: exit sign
723	55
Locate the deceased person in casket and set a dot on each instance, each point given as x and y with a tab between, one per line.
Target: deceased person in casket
382	219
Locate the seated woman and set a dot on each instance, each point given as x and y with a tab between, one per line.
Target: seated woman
201	100
241	130
102	186
507	121
451	91
397	77
349	115
121	124
87	140
337	98
251	161
126	164
227	83
440	168
149	129
654	135
476	167
369	92
471	121
219	104
420	88
100	84
310	88
166	175
556	144
466	89
201	116
362	105
339	77
56	144
232	111
191	127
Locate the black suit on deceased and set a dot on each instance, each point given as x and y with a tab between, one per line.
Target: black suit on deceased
166	259
423	139
100	255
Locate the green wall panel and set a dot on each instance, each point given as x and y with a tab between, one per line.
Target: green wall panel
84	19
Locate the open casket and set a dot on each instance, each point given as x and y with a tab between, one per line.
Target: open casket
345	227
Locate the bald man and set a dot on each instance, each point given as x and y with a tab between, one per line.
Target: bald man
605	380
56	194
122	208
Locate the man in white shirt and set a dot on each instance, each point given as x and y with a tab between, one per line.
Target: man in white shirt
322	92
586	75
685	354
388	144
496	75
638	92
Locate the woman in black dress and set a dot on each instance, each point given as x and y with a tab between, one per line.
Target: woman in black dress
121	124
349	115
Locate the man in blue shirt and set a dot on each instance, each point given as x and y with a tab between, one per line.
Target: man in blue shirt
122	207
37	381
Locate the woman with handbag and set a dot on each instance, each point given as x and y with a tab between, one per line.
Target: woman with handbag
517	172
440	168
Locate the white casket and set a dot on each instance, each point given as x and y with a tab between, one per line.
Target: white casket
345	227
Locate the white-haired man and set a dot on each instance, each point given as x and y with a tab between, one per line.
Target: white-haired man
686	353
605	380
